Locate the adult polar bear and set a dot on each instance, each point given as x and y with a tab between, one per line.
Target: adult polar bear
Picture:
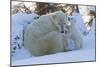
44	36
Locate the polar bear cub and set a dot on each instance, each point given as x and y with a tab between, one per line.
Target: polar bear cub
73	34
44	36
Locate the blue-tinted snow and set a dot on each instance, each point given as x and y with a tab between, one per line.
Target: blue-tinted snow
23	57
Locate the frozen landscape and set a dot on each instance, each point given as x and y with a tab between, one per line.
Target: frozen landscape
20	56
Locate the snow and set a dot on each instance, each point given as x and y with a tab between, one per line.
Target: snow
19	22
72	56
28	4
23	57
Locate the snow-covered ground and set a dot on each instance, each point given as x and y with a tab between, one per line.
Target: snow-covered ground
22	57
71	56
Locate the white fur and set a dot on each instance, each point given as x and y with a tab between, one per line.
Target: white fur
43	36
74	34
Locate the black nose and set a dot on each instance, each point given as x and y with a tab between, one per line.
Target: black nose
62	31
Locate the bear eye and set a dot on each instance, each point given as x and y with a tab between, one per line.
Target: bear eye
64	22
69	18
62	31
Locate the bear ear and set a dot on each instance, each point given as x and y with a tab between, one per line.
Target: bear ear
55	14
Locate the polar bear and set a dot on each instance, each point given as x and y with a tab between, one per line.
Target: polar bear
44	36
73	34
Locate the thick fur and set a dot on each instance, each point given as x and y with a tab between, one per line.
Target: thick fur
44	36
73	34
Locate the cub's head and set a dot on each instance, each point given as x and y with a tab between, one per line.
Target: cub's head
60	20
